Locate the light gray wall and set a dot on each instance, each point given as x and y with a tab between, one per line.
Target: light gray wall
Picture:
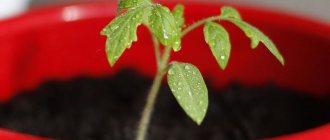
314	9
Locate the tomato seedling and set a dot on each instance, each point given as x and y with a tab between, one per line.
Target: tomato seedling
167	28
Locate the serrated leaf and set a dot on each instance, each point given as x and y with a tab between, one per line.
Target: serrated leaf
164	27
178	15
230	12
121	32
124	4
217	38
257	36
189	89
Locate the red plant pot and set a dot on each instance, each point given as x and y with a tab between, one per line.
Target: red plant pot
64	42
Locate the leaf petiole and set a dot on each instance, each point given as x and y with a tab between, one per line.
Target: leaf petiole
199	23
157	49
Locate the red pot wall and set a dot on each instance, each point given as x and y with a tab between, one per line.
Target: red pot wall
63	42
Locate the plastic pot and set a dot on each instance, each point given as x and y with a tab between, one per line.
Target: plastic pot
63	42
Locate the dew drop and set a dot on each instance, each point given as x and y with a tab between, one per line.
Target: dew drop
114	27
171	72
212	44
179	83
187	67
222	57
104	30
165	36
190	94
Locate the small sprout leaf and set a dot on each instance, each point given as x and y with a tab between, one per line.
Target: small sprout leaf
189	89
178	15
218	39
257	36
124	4
164	26
230	12
121	32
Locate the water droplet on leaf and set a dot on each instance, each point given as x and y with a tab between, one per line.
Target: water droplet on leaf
222	57
165	36
171	72
190	94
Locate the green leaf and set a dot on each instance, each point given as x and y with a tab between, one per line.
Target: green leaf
121	32
124	4
218	39
230	12
257	36
163	25
189	89
178	15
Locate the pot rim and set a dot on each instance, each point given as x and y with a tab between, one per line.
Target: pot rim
56	14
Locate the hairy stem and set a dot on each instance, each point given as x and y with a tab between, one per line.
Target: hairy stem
199	23
157	49
145	119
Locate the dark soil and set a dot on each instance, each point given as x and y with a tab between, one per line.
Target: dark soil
109	109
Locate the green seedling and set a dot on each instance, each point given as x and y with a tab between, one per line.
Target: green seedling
167	28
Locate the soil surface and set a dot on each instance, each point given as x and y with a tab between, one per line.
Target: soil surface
109	109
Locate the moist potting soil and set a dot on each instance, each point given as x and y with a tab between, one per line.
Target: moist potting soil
109	108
